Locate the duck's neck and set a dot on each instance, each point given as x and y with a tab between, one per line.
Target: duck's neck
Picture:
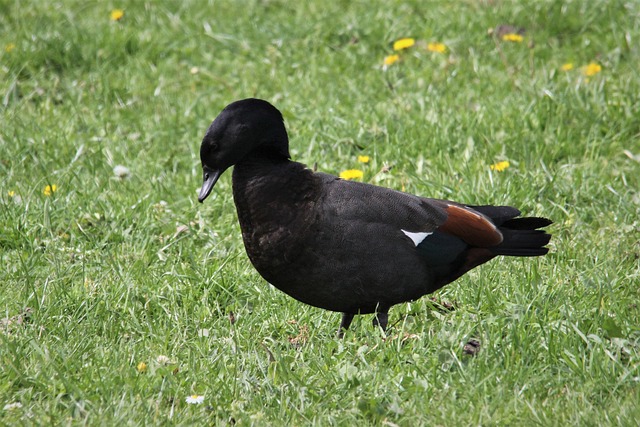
260	159
257	170
272	197
267	188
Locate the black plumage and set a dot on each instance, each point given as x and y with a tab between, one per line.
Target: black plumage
347	246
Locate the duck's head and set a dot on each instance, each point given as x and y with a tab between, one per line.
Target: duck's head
246	128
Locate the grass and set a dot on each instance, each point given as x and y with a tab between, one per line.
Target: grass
106	273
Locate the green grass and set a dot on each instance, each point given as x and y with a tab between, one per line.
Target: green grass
119	271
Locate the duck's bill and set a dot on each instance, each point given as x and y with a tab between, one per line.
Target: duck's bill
209	179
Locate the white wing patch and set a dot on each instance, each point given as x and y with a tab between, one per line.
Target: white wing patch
417	238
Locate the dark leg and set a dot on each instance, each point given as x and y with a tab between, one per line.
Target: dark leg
344	325
381	319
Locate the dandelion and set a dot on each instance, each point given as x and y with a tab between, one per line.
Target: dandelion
194	70
142	367
436	47
364	159
567	67
503	29
117	14
351	174
591	69
14	196
121	171
12	406
500	166
49	190
195	399
512	37
9	47
390	60
403	43
163	360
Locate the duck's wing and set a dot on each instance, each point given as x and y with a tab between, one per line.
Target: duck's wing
451	238
415	218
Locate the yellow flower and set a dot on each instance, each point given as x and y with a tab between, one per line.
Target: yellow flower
50	189
117	14
391	59
500	166
591	69
142	367
567	67
364	159
351	174
403	43
437	47
512	37
9	47
11	193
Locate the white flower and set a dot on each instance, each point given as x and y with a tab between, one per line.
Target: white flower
163	360
195	399
12	406
121	171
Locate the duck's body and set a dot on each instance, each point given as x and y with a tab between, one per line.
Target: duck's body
347	246
291	237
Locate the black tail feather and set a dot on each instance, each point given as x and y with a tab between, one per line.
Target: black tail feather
521	237
528	223
498	214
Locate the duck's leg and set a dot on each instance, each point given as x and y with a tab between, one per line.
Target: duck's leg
381	319
345	323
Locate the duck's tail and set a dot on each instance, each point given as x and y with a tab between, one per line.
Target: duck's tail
521	236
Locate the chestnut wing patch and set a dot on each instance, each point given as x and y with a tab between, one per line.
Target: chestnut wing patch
472	227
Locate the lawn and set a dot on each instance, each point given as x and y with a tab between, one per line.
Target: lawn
121	295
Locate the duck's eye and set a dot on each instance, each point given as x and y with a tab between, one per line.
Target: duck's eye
213	146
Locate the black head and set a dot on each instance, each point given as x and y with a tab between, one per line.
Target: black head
246	127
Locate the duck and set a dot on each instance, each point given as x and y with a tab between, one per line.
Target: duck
342	245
